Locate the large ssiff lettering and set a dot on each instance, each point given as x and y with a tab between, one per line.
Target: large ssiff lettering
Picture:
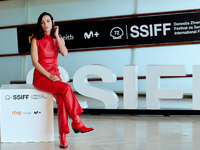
149	30
153	90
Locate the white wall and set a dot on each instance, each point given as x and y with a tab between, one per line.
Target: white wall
18	12
8	41
12	12
151	6
79	9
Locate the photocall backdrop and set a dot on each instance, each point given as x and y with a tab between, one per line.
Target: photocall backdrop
125	31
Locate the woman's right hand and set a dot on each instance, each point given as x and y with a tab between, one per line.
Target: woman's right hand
54	78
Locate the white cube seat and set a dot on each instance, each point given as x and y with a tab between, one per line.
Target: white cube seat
26	114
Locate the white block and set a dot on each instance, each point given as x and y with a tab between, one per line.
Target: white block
27	114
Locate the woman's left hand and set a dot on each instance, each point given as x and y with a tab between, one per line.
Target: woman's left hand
56	31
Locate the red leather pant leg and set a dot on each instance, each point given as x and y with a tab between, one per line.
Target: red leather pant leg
67	103
62	114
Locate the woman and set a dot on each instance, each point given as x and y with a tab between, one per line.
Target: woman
44	52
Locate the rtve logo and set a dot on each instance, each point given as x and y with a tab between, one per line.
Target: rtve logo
16	113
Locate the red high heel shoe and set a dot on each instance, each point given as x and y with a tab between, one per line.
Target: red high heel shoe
63	141
78	126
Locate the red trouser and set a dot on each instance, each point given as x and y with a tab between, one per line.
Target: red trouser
67	103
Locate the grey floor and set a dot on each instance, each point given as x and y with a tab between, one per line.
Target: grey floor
127	132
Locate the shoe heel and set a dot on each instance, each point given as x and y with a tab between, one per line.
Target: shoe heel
76	131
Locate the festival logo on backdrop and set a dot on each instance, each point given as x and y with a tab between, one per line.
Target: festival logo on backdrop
122	32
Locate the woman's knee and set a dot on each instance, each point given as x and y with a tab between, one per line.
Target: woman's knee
67	88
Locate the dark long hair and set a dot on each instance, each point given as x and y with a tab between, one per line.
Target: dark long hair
39	32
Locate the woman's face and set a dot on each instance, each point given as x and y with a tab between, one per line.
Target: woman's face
46	24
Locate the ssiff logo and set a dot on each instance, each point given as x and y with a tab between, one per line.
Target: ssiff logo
17	97
16	113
